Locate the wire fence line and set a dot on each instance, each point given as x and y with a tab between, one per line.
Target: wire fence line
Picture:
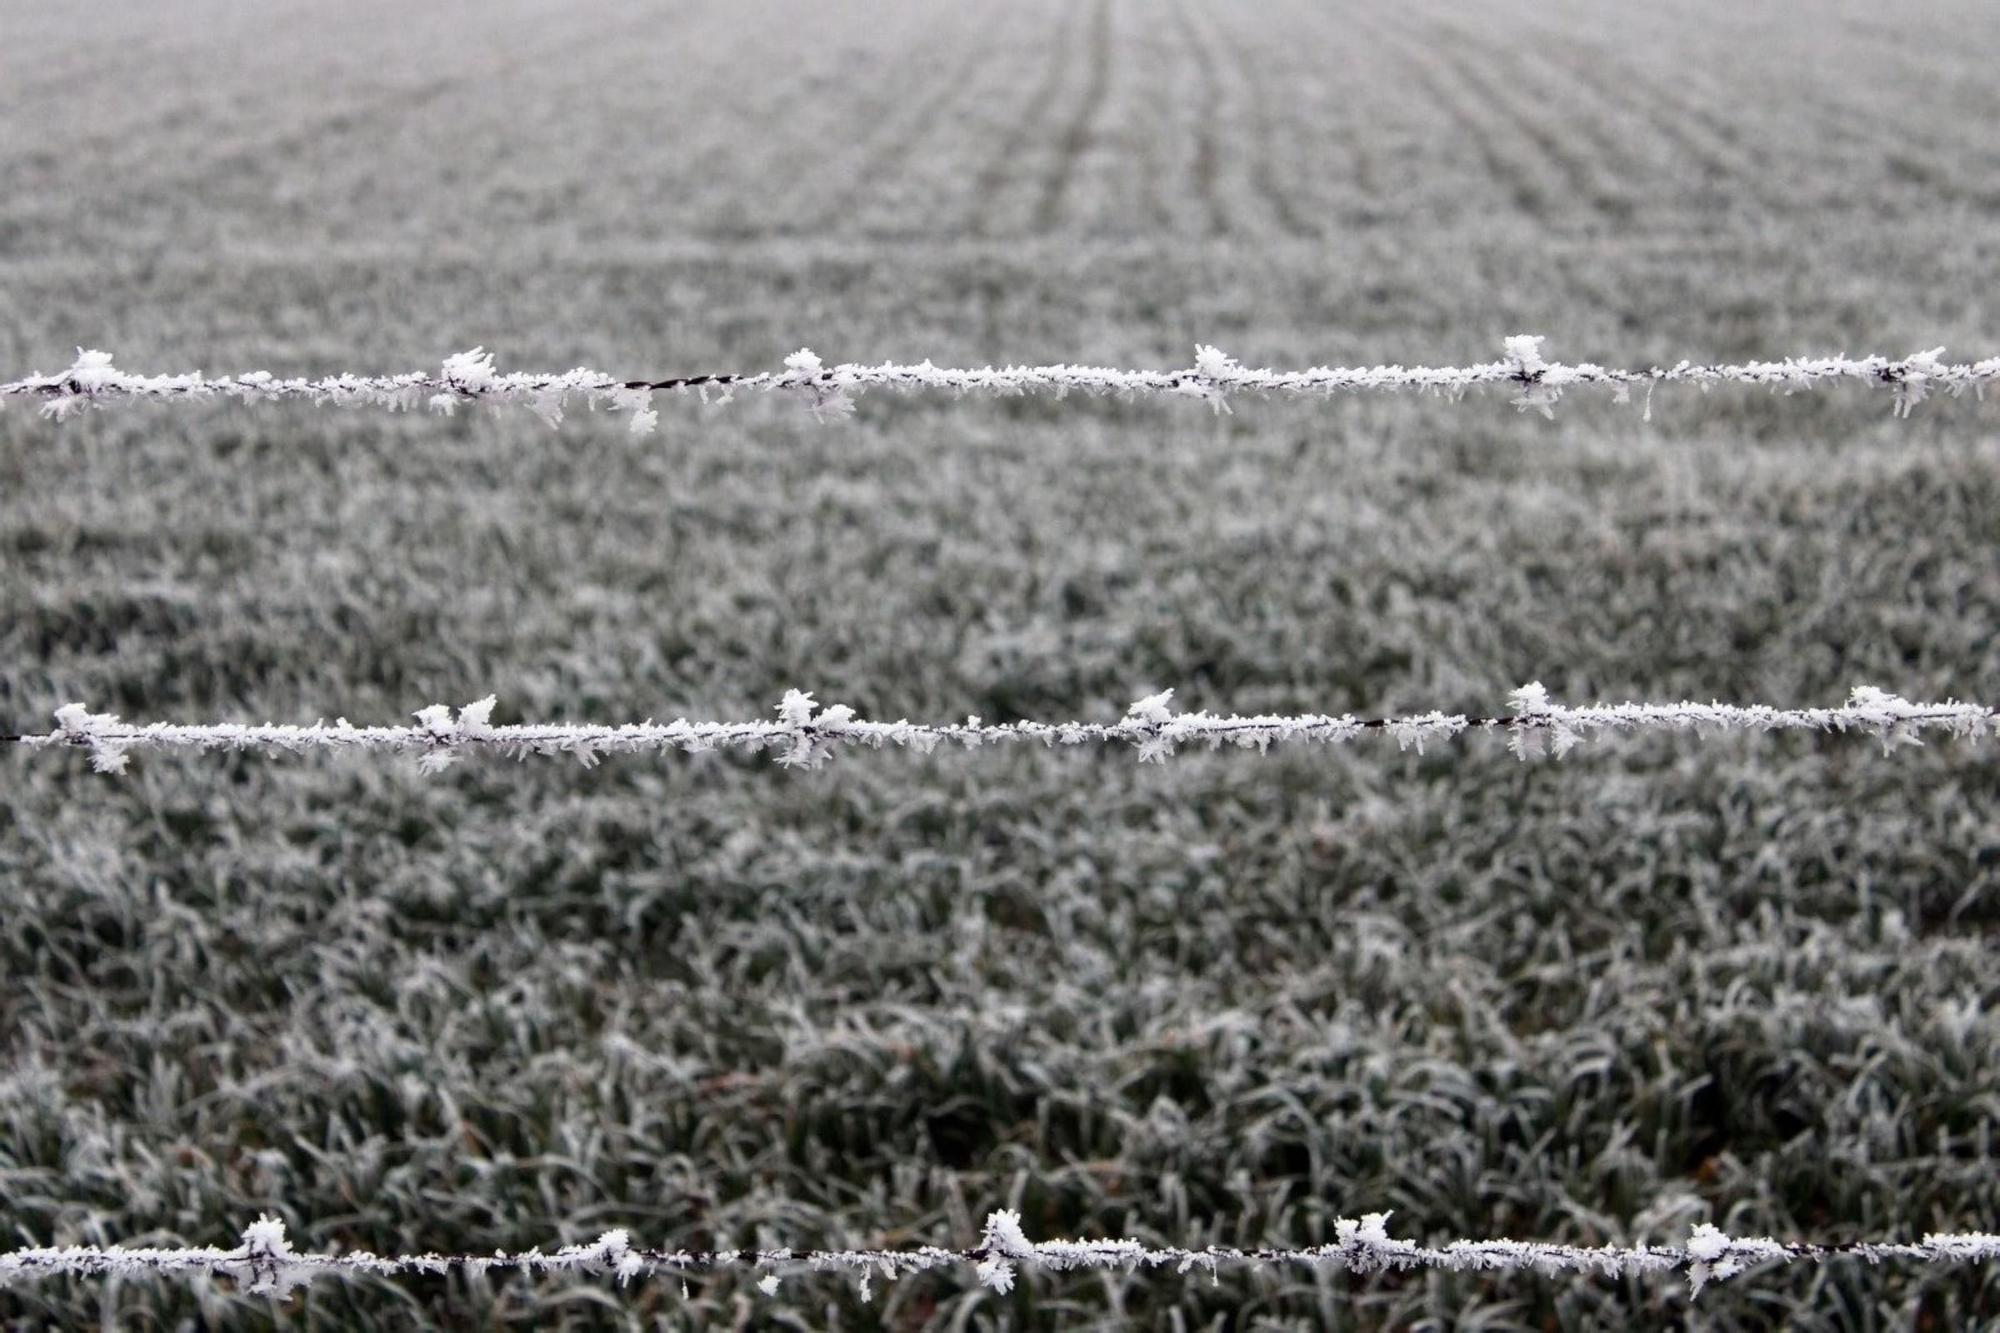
266	1263
471	377
806	733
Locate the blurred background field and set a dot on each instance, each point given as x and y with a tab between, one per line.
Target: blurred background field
1230	999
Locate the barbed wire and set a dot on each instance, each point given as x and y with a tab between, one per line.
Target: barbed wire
806	733
266	1263
470	377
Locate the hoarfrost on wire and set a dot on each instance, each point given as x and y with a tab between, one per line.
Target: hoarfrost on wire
806	734
1537	383
265	1262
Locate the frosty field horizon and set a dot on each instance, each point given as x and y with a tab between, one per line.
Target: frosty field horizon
1743	982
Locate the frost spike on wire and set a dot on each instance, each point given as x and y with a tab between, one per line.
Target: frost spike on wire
265	1262
1537	382
805	733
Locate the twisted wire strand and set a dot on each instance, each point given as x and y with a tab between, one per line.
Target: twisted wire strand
471	377
266	1263
806	733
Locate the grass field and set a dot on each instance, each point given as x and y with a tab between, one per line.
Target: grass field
1229	999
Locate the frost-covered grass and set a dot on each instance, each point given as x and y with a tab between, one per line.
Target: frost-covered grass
1230	1000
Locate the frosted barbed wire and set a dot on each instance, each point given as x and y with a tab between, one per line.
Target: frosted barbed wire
265	1262
1215	377
806	733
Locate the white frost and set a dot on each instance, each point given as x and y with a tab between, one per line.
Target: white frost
1536	382
265	1262
806	734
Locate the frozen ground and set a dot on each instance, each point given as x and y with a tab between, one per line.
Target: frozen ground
1231	999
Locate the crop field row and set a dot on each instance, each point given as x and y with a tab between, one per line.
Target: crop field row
1200	120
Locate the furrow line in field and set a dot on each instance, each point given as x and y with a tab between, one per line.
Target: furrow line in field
861	168
1208	117
1530	195
1604	152
1080	131
1268	136
1664	109
1582	180
1026	127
